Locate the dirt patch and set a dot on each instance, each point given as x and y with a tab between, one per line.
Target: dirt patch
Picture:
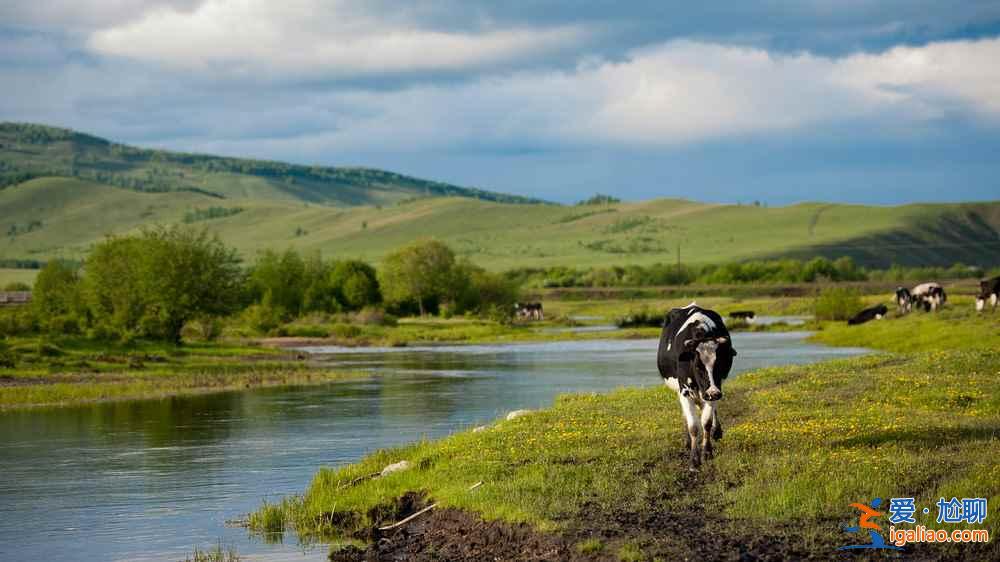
454	535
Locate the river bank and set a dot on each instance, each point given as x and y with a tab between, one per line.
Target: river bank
604	477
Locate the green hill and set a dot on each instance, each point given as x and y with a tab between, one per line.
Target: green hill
63	211
29	151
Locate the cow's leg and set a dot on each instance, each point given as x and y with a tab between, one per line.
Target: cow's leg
688	407
707	424
672	384
716	426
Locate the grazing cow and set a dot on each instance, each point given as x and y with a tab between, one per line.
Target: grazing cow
745	315
930	296
868	314
530	311
989	291
694	357
904	300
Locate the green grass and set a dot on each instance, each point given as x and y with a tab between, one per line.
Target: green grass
8	276
957	326
65	371
801	443
75	213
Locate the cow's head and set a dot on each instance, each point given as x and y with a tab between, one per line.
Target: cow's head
713	358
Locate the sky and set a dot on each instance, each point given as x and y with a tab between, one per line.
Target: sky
880	102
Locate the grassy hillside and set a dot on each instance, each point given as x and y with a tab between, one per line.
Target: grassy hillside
60	191
29	151
62	217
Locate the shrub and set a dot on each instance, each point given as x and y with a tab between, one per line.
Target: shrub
8	357
837	303
371	316
263	317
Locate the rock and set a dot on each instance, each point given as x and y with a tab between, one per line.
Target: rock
517	413
478	429
395	467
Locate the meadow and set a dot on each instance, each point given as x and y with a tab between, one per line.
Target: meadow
501	236
60	371
605	477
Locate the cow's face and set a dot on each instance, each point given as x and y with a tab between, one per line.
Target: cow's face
713	360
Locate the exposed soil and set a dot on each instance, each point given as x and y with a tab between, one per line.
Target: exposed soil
659	530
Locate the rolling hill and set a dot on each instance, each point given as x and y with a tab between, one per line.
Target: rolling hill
62	215
29	151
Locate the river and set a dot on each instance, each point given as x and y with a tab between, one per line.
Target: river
152	479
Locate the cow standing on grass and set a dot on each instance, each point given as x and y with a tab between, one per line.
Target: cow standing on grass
904	300
930	296
694	357
989	292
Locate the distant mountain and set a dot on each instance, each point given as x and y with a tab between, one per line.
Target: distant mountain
30	151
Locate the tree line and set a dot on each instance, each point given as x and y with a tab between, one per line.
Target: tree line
749	272
153	284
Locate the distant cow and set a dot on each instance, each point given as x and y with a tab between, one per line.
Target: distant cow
529	311
989	291
930	296
868	314
695	355
745	315
904	300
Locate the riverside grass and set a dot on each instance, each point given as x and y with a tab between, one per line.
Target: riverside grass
801	443
67	371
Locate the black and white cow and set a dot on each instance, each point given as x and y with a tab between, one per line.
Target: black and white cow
744	315
871	313
529	311
904	300
930	296
694	357
989	292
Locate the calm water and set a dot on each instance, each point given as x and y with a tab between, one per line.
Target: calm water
150	480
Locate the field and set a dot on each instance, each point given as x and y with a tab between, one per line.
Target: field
68	370
59	217
8	276
604	477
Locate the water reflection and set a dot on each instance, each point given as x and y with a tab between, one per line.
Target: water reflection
151	479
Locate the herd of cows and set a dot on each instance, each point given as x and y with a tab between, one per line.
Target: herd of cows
929	297
695	355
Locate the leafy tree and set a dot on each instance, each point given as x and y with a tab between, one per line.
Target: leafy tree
281	276
57	300
356	284
153	283
420	273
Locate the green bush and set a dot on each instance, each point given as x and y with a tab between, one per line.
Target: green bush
263	318
8	357
837	303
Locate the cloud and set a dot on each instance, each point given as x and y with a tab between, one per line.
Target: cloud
313	38
672	94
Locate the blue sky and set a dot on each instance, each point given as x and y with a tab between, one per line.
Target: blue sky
862	101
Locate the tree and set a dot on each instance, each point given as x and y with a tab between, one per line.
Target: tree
281	275
355	284
153	283
56	299
421	273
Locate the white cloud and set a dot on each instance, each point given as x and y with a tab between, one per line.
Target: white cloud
675	93
312	38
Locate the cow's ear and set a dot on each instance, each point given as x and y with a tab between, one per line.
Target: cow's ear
734	352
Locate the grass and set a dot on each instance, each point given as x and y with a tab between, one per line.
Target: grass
65	371
8	276
801	443
215	554
498	236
